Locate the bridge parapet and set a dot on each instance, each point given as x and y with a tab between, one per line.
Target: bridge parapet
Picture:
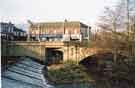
53	43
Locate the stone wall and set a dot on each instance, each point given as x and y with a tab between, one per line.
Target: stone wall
71	51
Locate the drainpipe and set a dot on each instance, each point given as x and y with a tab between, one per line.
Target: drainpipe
64	27
88	31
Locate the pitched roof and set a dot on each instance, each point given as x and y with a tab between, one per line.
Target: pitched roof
18	29
59	24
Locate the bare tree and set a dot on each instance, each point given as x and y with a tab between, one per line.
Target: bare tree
117	22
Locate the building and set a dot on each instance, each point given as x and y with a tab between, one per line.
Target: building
10	32
6	30
59	31
19	34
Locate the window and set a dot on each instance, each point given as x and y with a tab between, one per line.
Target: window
1	29
54	31
66	32
75	31
16	33
19	33
11	29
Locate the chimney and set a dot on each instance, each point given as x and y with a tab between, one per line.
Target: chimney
64	25
65	20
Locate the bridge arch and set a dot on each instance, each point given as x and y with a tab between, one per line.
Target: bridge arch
101	61
53	56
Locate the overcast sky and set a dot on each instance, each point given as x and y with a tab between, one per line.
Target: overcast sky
19	11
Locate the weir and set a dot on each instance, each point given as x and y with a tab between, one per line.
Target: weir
24	74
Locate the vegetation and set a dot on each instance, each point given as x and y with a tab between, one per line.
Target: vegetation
68	73
117	33
110	74
118	29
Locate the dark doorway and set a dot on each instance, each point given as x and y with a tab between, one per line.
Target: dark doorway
53	56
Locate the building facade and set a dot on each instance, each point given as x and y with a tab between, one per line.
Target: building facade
6	30
10	32
60	31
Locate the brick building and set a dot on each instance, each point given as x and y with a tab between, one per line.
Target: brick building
62	31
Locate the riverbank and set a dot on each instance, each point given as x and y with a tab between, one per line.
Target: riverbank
109	73
68	73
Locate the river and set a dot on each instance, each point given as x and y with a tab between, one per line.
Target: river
28	74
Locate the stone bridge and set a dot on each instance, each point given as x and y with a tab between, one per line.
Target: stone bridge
42	50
